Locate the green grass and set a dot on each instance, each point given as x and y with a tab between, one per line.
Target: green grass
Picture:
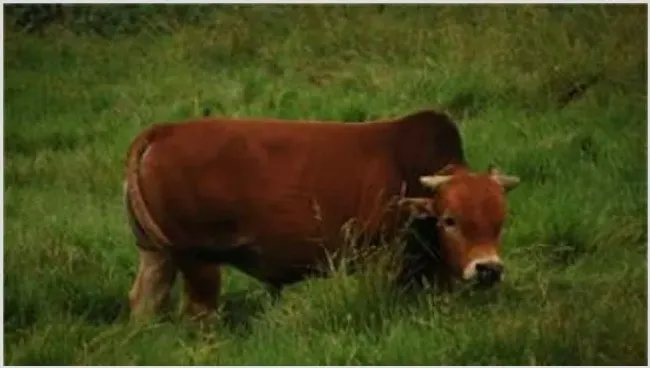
575	244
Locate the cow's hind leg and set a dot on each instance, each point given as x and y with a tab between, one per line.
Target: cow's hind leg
202	282
152	286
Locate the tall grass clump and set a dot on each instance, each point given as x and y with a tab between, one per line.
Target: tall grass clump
556	94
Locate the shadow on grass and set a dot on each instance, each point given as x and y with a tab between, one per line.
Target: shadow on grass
241	308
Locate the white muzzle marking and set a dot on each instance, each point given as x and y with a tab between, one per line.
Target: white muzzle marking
470	270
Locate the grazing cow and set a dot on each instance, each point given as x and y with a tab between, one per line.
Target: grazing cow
269	197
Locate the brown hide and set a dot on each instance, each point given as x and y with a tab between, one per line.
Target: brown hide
281	190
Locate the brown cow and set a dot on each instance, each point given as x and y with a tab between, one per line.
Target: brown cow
270	197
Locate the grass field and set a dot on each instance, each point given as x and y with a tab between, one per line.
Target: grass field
554	94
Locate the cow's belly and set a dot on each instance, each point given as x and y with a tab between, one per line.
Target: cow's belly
278	262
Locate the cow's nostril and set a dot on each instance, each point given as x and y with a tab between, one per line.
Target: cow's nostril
489	272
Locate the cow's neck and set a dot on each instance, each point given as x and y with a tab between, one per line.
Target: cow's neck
423	255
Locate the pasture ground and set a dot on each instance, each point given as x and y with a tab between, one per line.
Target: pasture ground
555	94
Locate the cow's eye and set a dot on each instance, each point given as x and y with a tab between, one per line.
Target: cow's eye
448	221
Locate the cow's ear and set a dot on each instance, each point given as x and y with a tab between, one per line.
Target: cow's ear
418	208
451	169
433	182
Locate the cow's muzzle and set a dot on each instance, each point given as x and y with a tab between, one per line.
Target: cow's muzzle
484	271
489	273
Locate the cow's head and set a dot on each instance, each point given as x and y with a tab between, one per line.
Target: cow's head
468	210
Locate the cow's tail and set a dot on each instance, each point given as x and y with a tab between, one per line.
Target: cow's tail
136	206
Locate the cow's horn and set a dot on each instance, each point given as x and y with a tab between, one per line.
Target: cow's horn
506	181
434	181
